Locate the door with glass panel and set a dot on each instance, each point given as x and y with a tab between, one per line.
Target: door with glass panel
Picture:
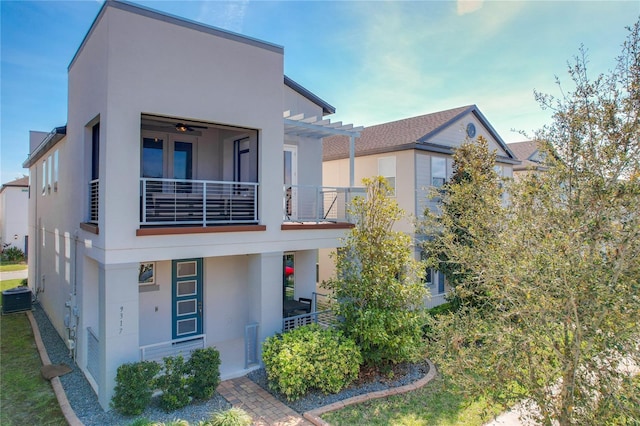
186	298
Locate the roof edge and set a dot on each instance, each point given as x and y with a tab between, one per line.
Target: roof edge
176	20
326	107
446	124
52	138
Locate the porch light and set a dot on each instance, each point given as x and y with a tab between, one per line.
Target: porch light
181	127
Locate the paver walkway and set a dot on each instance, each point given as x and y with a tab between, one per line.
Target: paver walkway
260	404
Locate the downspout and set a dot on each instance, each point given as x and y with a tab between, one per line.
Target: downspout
72	303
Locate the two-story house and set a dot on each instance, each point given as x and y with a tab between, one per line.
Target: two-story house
14	198
414	155
182	204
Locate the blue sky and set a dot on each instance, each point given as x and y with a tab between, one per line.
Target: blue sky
374	61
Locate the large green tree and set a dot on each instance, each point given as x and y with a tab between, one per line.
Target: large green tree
562	276
474	191
379	286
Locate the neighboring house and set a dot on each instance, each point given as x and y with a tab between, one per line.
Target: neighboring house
14	201
529	153
181	206
413	154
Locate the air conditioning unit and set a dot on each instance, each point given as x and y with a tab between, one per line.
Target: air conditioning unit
16	299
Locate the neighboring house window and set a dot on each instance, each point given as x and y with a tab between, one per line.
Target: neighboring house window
387	169
50	176
428	277
438	171
44	177
55	171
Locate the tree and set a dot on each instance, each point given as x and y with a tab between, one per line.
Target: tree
379	287
563	273
474	191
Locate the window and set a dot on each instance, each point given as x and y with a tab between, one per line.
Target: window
242	165
95	152
55	171
146	273
387	169
438	171
44	177
152	157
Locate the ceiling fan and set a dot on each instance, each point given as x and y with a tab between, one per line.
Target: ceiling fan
181	127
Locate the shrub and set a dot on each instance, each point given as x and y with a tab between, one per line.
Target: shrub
231	417
134	387
308	358
173	384
204	372
11	254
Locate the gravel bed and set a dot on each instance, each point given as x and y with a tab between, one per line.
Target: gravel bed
85	402
403	375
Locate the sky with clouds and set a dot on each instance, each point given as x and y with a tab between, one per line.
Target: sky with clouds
374	61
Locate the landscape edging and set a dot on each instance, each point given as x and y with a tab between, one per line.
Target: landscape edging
314	415
58	389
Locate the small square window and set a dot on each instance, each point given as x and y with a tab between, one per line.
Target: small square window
147	273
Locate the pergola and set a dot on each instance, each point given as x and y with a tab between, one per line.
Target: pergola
313	127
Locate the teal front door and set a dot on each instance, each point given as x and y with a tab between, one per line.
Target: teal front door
187	298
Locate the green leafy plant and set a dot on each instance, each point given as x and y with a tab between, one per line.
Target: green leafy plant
308	358
204	372
379	284
11	254
232	417
549	301
134	387
141	421
173	383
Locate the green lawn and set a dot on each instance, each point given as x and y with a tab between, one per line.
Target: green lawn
434	404
10	267
25	397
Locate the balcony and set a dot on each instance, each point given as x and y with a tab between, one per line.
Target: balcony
318	204
197	202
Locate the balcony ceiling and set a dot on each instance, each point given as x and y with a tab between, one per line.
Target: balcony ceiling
311	127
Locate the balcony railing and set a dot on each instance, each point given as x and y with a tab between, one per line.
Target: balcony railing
318	203
184	347
94	188
197	202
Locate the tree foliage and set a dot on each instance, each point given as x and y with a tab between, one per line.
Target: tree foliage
379	285
474	191
559	282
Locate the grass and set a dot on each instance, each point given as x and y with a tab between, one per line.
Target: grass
434	404
10	267
25	397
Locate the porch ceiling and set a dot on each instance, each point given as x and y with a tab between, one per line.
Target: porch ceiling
311	127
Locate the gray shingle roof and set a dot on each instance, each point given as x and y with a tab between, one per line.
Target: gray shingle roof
525	151
392	136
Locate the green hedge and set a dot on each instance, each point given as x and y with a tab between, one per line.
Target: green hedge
309	358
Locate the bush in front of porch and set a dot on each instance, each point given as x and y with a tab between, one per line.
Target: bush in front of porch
310	357
180	381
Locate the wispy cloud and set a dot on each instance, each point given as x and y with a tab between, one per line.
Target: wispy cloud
468	6
226	15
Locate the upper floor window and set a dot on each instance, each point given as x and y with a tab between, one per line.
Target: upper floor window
55	171
44	177
387	169
438	171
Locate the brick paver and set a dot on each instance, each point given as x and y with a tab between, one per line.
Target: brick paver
260	404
